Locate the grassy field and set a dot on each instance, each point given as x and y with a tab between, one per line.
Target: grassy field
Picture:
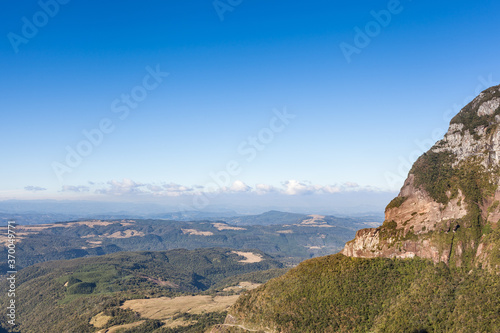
165	308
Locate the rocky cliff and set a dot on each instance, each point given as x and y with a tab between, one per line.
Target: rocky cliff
447	210
449	206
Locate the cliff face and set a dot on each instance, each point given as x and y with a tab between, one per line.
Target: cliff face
449	206
447	210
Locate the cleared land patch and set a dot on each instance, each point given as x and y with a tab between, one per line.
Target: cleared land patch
125	234
100	320
245	285
95	243
118	328
197	232
27	230
250	257
165	307
223	226
315	221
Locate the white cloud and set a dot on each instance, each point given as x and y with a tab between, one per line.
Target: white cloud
351	184
35	188
175	190
78	189
290	187
265	188
172	187
130	187
331	189
126	186
239	186
154	188
295	187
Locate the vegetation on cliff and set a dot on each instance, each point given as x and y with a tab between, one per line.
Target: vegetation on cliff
395	203
344	294
448	292
469	117
436	175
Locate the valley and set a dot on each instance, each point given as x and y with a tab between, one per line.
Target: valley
133	275
290	237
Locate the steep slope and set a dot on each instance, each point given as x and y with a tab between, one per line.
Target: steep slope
433	266
342	294
448	208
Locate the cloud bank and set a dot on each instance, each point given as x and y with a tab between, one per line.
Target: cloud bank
129	187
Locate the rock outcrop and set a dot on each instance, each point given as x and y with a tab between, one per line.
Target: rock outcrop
449	206
447	211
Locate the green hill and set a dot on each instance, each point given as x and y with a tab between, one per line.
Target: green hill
62	296
70	240
343	294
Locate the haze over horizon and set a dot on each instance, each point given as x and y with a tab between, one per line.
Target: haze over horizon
236	104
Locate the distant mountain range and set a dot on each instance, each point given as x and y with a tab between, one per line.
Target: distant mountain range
293	237
50	211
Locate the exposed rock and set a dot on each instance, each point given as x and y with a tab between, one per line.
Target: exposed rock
420	212
488	107
450	197
369	244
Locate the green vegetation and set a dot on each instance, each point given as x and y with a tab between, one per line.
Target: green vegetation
62	296
390	225
395	203
443	178
434	172
254	277
491	239
272	217
146	327
471	120
233	329
70	242
81	288
202	322
343	294
493	206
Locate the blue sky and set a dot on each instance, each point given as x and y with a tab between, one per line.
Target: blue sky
235	70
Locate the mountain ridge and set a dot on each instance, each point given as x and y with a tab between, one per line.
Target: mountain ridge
433	265
449	204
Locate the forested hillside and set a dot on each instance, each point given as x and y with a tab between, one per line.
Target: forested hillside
343	294
63	296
